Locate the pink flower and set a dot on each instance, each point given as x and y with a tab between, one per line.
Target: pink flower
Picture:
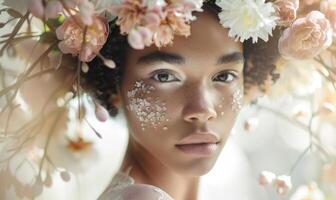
286	11
72	35
140	37
306	37
328	7
130	13
162	18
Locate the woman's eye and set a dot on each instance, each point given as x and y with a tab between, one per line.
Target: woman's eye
227	77
164	77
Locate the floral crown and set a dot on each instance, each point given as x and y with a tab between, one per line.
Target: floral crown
82	28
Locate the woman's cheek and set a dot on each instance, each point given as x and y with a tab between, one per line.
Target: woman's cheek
237	100
147	108
231	100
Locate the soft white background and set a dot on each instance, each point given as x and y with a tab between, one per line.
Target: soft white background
274	145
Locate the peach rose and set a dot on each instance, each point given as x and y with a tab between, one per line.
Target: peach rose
306	37
328	7
285	10
71	34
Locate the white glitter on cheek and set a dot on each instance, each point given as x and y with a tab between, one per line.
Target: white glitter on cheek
149	111
237	97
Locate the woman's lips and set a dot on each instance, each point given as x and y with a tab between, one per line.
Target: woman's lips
202	149
199	144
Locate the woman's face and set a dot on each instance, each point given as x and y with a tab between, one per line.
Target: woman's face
193	86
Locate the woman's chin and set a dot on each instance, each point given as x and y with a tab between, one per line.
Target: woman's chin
196	167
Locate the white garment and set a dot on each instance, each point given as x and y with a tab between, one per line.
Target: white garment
122	187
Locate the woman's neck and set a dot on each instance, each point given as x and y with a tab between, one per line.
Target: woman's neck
147	169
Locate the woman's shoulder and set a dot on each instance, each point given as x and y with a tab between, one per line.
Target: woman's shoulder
123	187
138	192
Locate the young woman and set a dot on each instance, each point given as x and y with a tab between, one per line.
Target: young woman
180	102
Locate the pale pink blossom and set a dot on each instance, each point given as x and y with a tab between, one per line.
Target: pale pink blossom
306	37
161	18
71	34
86	11
36	8
50	10
282	184
328	7
140	37
101	113
130	14
286	10
266	178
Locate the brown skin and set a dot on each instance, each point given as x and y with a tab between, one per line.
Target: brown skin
195	101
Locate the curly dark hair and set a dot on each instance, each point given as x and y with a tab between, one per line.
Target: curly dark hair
102	82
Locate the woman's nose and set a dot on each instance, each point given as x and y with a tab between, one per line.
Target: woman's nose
199	106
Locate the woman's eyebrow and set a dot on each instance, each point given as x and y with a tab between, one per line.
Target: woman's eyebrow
229	58
159	56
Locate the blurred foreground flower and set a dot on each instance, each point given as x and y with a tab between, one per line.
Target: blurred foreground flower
327	105
308	192
329	173
282	183
328	7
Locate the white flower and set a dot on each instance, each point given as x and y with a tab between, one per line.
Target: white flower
310	191
266	178
247	18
